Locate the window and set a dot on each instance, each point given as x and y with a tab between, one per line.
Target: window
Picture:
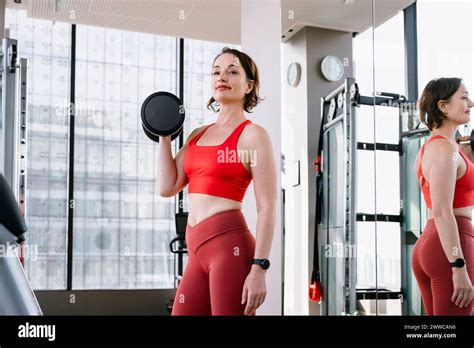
389	77
122	227
389	42
445	50
378	259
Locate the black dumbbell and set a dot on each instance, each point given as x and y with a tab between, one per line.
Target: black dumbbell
466	142
162	115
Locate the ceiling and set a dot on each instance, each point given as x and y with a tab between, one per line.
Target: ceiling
212	20
345	15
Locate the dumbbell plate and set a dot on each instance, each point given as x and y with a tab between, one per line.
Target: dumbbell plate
162	114
151	135
467	142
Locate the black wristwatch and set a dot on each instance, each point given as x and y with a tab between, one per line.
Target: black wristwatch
264	263
458	263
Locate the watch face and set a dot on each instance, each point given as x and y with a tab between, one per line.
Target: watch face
266	264
458	263
332	68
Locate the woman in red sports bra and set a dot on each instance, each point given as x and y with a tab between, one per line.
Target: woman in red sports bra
443	257
226	266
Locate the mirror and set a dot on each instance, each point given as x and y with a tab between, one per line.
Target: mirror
410	49
323	111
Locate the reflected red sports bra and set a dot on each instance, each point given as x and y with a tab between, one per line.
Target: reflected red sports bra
216	170
464	190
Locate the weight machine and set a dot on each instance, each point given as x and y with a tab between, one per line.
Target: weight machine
16	295
336	204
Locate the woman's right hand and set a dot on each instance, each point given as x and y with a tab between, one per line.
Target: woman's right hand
466	148
462	295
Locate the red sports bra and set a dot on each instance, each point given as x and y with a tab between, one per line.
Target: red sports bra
216	170
464	190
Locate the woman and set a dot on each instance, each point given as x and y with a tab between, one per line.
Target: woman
443	257
226	267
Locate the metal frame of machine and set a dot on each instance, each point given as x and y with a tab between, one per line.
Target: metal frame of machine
16	295
340	107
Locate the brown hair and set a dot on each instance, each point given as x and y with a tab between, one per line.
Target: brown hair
252	98
436	90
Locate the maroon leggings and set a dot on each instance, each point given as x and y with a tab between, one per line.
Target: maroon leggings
433	271
220	251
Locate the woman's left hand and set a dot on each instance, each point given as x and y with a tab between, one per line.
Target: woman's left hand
255	290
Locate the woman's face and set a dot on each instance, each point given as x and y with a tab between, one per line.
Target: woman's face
229	81
458	107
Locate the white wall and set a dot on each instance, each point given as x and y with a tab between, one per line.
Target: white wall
295	128
260	39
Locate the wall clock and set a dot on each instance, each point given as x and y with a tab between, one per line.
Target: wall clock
332	68
293	74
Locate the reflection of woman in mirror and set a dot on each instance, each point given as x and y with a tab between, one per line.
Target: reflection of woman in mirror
226	268
443	257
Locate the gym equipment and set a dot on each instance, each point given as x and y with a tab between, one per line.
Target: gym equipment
467	142
178	248
336	206
315	288
337	212
181	220
13	119
162	114
16	295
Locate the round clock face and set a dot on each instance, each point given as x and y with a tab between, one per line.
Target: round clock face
293	74
332	68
